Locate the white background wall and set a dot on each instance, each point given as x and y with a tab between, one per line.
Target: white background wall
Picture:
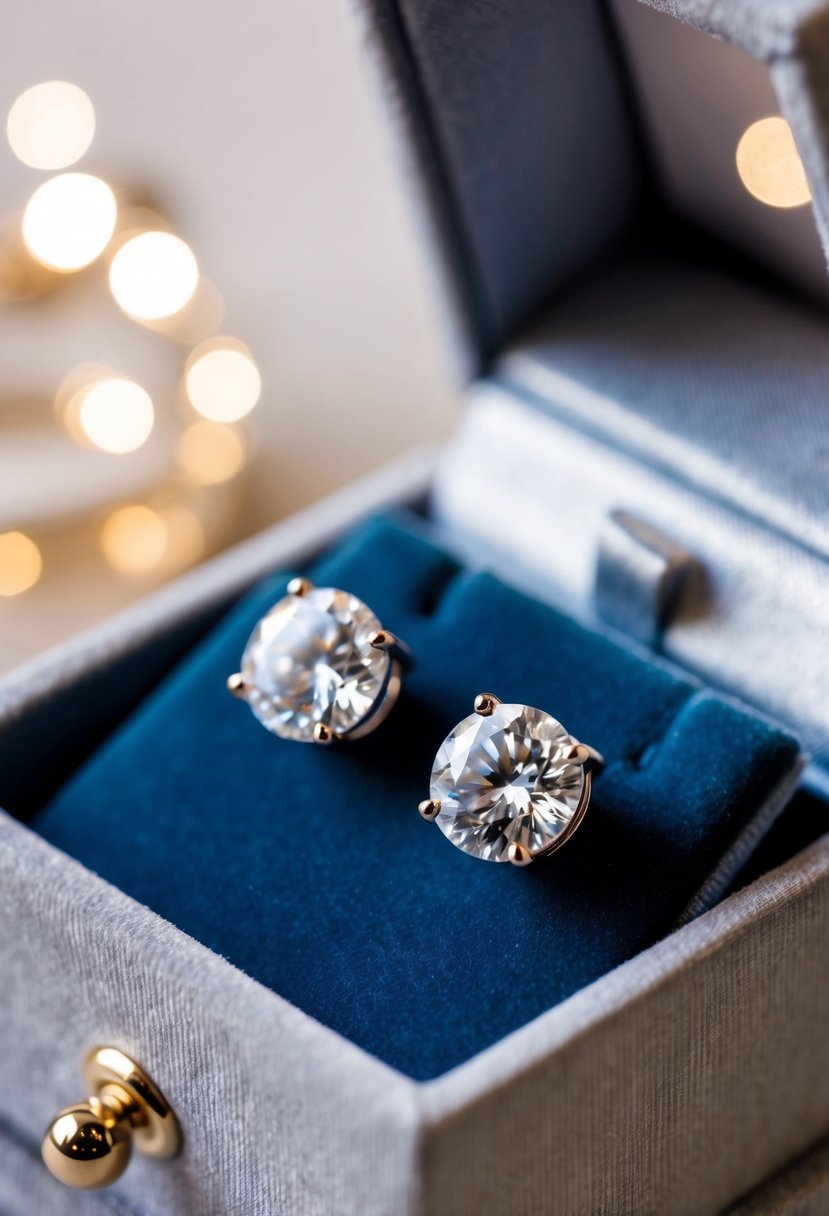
255	127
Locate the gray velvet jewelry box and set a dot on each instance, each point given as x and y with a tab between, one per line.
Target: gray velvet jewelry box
672	1085
682	1080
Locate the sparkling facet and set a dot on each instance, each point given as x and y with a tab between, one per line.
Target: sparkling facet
309	660
505	779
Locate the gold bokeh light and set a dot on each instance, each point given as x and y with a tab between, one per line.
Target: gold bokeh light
153	275
20	563
140	540
211	452
116	415
69	221
185	535
222	380
51	125
769	164
22	279
134	539
201	316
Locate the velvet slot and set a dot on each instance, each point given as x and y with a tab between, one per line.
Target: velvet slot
310	869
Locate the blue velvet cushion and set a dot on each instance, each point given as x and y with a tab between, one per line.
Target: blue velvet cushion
310	868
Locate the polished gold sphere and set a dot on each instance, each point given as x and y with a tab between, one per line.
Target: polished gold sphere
86	1147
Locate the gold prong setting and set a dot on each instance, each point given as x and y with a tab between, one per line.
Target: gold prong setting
321	628
236	685
509	770
429	809
381	639
388	643
586	757
577	754
517	855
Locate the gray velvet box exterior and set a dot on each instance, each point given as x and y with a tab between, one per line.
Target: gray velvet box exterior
673	1085
801	1190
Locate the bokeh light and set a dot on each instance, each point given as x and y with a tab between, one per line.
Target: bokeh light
142	540
222	380
134	539
185	535
200	318
116	415
211	452
769	164
20	563
71	392
69	221
22	279
51	125
153	275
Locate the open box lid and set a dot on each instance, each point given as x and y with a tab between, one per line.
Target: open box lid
655	400
525	133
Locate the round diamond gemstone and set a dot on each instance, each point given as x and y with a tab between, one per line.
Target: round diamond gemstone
505	779
309	660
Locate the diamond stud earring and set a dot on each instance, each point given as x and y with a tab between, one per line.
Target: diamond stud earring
509	783
319	666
